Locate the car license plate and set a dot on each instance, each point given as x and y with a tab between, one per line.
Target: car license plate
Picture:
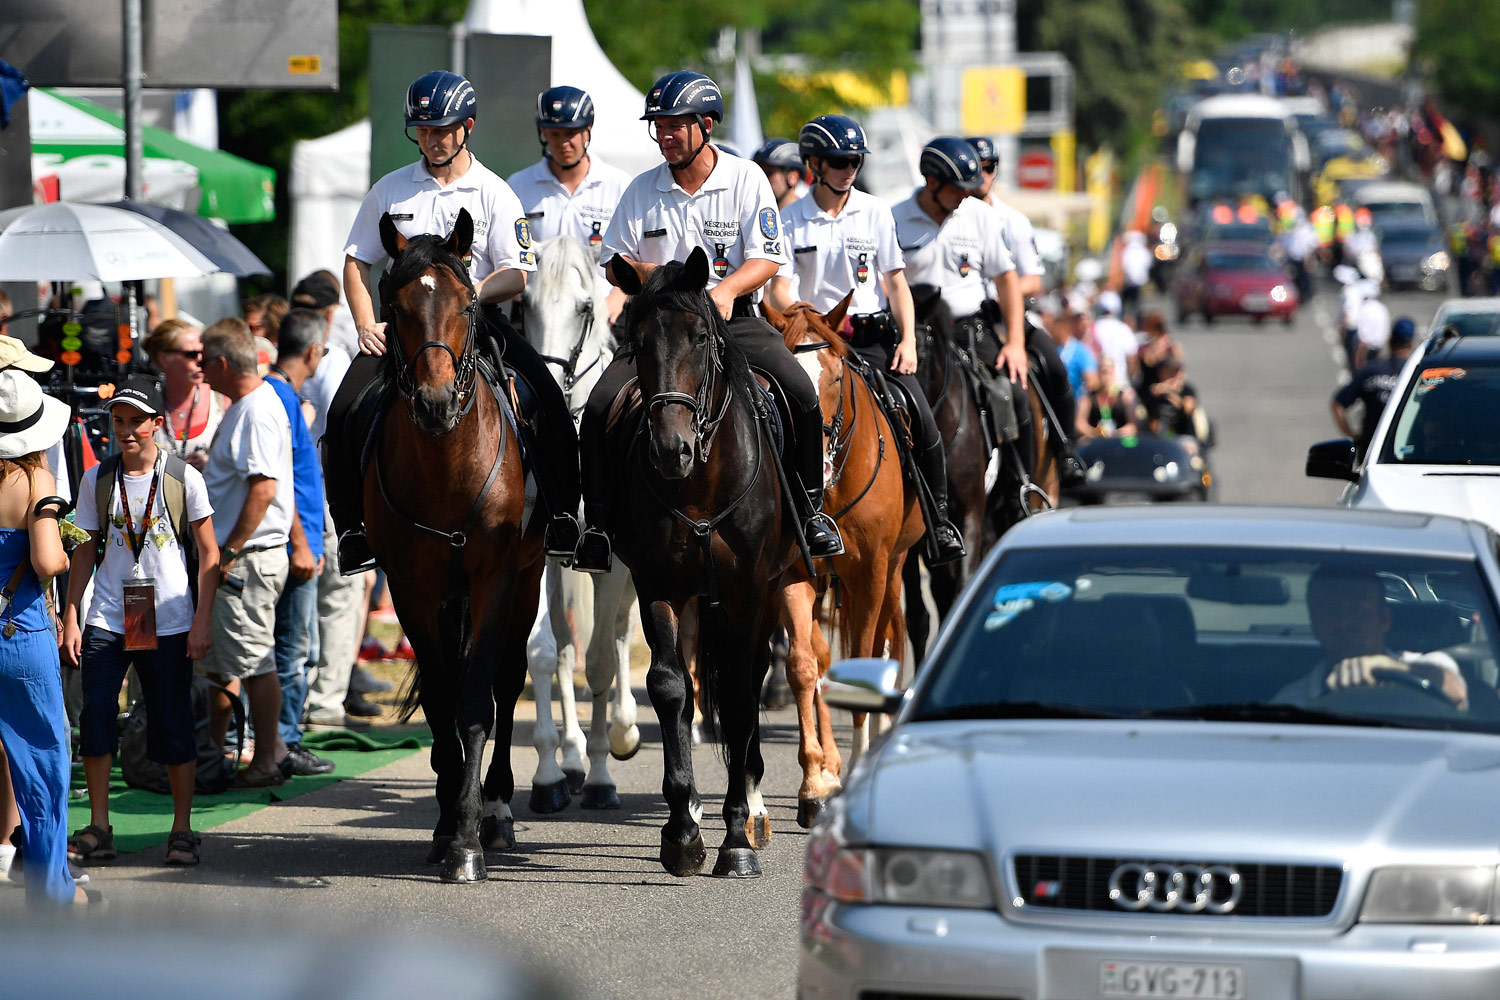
1171	979
1256	303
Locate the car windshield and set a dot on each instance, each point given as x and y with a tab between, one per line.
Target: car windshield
1248	232
1450	415
1407	237
1468	324
1221	633
1241	156
1389	211
1241	262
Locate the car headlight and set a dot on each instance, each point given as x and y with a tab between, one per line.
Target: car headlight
1430	896
1437	262
1278	294
896	876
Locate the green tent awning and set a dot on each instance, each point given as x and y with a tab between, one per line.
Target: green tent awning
233	189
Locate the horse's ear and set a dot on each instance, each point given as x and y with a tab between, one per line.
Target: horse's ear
390	236
462	236
835	317
694	273
626	276
774	316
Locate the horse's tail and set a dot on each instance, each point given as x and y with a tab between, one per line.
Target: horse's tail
411	694
453	619
714	655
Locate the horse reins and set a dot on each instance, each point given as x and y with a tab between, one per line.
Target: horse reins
699	404
465	366
570	376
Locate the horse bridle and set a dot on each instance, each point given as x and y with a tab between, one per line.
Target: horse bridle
465	366
704	426
570	376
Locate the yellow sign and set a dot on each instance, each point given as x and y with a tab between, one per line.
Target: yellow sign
303	65
994	100
1065	158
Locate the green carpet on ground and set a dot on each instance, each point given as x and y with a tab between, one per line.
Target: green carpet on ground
143	819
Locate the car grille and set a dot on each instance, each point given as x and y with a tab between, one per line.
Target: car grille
1049	882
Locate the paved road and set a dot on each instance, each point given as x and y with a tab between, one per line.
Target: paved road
583	893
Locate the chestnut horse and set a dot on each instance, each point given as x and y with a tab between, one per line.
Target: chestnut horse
701	518
449	519
877	513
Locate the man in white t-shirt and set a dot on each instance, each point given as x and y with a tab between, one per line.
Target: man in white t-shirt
142	611
1372	325
1135	271
1116	339
249	477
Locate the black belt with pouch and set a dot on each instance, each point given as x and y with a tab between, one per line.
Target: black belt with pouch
744	307
874	330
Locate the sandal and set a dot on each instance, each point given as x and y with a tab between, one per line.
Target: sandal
183	842
102	849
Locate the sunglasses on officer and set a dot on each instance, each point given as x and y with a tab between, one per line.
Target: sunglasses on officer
989	166
842	162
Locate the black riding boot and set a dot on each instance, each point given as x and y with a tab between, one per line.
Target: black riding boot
946	542
594	553
350	416
823	539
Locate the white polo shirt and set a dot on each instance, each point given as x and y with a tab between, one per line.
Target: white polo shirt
733	217
583	214
832	254
418	204
1019	236
961	258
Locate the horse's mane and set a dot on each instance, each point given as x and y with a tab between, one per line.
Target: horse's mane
421	253
933	311
804	325
556	260
656	296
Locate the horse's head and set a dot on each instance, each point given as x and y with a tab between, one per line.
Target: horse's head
803	324
679	355
566	319
431	312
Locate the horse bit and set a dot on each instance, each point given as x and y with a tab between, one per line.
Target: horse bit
704	426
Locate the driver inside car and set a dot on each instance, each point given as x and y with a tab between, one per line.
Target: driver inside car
1350	619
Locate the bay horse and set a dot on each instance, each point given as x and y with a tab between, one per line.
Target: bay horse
582	617
448	517
878	515
702	520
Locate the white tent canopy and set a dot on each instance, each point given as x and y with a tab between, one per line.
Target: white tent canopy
330	174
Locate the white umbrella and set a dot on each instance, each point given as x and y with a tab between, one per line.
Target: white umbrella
69	242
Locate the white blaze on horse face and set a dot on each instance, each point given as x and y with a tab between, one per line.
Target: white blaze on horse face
428	282
812	364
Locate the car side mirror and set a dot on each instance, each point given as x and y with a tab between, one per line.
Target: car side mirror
1332	460
866	684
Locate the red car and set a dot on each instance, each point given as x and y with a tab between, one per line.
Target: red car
1225	279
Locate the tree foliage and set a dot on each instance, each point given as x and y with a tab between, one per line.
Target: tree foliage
1459	41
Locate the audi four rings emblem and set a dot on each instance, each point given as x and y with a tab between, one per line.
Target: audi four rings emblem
1165	888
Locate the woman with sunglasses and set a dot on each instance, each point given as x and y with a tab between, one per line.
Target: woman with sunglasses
194	411
843	239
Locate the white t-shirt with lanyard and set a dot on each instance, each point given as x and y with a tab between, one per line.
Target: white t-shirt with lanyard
961	257
583	214
733	217
162	558
834	253
419	205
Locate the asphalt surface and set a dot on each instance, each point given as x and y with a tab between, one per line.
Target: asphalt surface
583	893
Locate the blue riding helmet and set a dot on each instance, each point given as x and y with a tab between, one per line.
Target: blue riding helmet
951	160
440	98
730	148
832	135
684	93
778	154
564	107
985	147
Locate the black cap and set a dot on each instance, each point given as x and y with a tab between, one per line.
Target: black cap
141	392
315	291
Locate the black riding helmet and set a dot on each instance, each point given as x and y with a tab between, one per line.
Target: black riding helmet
951	160
832	135
438	99
984	147
567	108
685	93
778	154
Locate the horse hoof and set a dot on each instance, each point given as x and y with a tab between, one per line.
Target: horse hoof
629	745
758	831
575	780
439	849
497	834
776	697
808	811
683	860
463	864
737	862
600	797
549	798
697	735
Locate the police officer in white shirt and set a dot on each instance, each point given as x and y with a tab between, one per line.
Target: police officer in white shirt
843	239
426	198
570	191
700	197
1015	228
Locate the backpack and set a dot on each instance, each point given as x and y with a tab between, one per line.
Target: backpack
215	771
174	500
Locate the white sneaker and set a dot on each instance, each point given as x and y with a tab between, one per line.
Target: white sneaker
7	858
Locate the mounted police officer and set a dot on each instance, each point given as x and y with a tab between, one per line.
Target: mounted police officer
782	162
570	191
841	239
425	198
1015	228
700	197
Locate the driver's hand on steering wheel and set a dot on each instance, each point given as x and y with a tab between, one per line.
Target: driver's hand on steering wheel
1359	671
372	339
722	300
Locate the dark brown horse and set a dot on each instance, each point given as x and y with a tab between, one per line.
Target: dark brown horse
448	519
877	513
699	516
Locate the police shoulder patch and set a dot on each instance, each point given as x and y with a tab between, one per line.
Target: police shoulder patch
768	223
523	233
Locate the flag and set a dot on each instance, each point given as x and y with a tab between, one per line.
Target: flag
13	87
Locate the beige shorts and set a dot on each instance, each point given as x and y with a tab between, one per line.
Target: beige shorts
244	622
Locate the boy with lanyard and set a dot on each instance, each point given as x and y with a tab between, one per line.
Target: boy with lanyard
842	238
141	615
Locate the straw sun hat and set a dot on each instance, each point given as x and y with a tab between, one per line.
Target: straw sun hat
30	420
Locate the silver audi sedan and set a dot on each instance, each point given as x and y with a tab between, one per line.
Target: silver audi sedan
1219	752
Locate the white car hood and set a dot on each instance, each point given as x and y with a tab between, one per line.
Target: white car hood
1457	490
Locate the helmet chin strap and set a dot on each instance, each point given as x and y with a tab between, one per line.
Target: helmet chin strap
430	165
703	131
818	175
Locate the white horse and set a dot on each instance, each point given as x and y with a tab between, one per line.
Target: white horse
566	320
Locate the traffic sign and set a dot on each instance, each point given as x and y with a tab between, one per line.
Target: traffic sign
1035	169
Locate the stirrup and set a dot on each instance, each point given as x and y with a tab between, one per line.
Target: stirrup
354	553
945	544
593	553
562	537
823	538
